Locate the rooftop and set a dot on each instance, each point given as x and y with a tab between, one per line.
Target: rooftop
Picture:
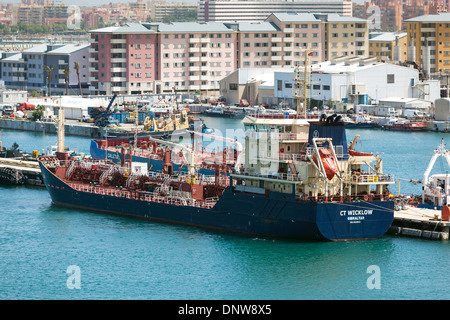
68	49
257	27
388	36
440	17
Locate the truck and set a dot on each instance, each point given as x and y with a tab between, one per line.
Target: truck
413	114
24	106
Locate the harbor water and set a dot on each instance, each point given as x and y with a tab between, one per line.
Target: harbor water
41	244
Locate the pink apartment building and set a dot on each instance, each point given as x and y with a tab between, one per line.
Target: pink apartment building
124	60
195	56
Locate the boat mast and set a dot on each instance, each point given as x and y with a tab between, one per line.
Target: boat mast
137	123
61	132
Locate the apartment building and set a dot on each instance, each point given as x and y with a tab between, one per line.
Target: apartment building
161	9
190	56
38	14
347	36
123	60
388	46
429	42
258	10
195	56
26	70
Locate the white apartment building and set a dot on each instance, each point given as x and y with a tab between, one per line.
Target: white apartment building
258	10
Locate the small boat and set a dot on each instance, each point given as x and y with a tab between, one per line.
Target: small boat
328	163
436	188
362	120
402	125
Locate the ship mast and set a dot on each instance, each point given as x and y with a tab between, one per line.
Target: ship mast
302	79
61	132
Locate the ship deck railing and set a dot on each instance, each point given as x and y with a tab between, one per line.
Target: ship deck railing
369	178
277	176
144	196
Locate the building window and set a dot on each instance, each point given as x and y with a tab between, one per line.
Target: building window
391	78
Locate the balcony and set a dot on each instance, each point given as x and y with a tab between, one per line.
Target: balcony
118	79
194	59
276	58
276	49
194	78
205	40
118	41
62	62
118	50
92	69
427	30
93	59
93	79
119	89
288	30
119	69
194	49
277	39
194	40
288	39
118	60
194	68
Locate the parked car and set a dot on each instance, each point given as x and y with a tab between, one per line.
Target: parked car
243	103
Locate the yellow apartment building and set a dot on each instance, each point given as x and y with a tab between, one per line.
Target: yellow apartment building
382	46
430	39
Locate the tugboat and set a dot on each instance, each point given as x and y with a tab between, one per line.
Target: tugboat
284	188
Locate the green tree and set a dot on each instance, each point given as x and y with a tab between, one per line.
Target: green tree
38	113
66	78
77	69
49	70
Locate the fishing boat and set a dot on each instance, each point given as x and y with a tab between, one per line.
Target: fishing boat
220	110
278	191
403	125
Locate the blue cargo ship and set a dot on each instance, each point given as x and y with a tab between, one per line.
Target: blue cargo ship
299	180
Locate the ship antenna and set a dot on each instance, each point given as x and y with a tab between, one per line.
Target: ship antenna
302	84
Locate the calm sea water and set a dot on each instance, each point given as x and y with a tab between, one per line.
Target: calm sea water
124	258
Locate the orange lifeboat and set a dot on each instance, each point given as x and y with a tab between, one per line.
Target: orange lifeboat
328	163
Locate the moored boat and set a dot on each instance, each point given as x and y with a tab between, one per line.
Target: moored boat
297	180
402	125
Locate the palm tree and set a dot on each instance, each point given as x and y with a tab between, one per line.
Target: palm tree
49	70
66	78
77	69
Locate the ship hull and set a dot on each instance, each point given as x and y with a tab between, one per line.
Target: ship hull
272	215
